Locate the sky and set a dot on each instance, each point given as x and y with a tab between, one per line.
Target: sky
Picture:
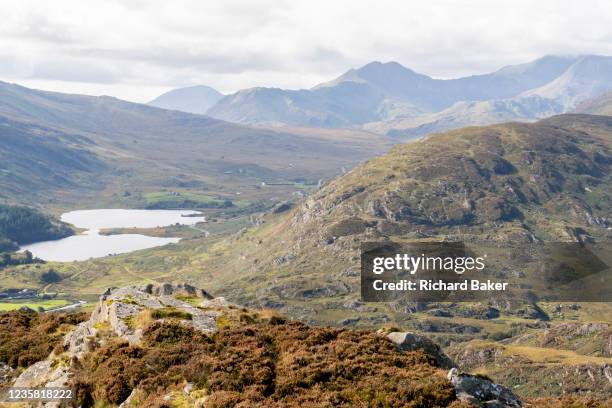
136	49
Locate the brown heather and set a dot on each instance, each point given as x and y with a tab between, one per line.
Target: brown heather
264	364
27	337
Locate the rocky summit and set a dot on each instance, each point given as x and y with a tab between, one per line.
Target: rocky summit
163	345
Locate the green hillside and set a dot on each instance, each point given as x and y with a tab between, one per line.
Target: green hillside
38	163
94	150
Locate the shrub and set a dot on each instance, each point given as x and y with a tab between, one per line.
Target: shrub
50	277
170	312
28	337
280	364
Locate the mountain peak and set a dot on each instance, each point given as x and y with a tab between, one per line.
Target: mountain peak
375	72
386	66
193	99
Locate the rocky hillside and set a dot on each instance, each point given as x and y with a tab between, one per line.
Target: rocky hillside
516	182
548	181
601	105
176	346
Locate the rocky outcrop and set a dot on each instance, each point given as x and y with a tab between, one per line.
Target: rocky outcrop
408	341
482	392
167	289
120	308
122	313
479	391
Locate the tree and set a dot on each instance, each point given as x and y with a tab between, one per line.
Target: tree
51	276
5	260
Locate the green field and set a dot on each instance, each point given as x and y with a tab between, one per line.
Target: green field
189	199
46	304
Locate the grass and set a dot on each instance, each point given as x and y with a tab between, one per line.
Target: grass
553	356
46	304
192	300
189	199
170	313
172	231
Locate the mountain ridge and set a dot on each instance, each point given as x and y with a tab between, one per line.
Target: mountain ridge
389	98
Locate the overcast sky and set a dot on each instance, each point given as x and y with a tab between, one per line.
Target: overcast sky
136	49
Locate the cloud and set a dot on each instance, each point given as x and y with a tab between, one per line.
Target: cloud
134	48
72	70
211	61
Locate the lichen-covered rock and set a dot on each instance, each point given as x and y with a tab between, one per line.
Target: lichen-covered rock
121	308
215	303
482	392
42	373
123	312
166	289
78	341
408	341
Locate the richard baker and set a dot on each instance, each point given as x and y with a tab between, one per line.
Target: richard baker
436	270
432	285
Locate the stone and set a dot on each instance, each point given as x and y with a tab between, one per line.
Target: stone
77	341
116	314
481	391
43	374
6	373
216	302
409	341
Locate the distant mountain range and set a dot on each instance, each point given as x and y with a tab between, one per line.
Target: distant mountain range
389	98
194	99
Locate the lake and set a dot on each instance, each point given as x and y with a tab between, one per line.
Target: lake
91	244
